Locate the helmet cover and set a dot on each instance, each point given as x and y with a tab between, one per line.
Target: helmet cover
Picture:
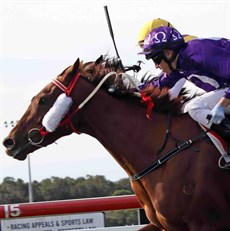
161	38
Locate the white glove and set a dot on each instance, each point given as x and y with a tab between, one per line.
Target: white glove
217	114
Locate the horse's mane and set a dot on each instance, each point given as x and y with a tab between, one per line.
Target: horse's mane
95	72
161	100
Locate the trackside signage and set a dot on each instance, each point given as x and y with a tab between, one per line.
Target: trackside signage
54	223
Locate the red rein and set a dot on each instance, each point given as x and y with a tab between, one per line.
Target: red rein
145	99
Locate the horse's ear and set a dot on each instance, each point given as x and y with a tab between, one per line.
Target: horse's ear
76	66
99	60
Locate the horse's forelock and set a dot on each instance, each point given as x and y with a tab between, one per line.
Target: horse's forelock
95	71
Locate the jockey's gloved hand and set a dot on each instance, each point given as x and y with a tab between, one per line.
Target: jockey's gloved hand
217	114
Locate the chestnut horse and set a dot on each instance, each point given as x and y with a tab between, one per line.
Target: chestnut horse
187	192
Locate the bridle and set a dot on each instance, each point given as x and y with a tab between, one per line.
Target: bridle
67	120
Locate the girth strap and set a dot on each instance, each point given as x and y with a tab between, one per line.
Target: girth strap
160	161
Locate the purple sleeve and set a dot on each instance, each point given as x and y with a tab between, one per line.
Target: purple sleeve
156	82
171	79
165	80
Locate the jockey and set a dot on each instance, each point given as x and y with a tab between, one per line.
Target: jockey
174	92
205	62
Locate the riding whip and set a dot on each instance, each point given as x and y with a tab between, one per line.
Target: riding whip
111	33
135	68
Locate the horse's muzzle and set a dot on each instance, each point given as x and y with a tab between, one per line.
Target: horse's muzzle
8	143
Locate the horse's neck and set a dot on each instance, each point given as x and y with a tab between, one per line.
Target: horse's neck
119	128
123	129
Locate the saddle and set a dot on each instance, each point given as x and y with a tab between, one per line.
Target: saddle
223	129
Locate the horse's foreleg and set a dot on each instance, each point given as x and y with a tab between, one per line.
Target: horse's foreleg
150	227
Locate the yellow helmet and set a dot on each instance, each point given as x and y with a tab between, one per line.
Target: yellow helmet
188	37
149	26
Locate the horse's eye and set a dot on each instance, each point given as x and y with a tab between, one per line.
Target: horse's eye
42	101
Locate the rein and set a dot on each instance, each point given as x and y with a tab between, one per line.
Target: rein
67	91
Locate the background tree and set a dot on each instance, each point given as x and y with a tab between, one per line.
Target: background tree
13	191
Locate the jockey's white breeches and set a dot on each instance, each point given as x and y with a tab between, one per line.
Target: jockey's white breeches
199	107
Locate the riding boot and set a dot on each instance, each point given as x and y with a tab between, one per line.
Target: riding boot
223	129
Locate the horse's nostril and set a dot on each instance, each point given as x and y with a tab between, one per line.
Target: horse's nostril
9	143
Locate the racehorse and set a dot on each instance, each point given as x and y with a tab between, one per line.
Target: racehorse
172	167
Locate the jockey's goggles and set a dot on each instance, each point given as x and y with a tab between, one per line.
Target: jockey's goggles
158	58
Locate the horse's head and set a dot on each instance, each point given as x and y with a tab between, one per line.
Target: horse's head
25	137
29	134
55	111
